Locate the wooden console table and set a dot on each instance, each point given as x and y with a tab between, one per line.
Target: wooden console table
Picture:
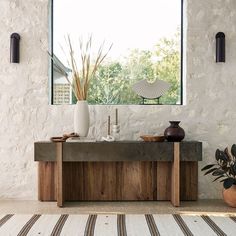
124	170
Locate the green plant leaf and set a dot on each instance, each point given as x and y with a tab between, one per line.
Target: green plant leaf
220	155
225	167
233	150
223	180
234	169
207	167
217	154
218	178
226	151
211	170
218	172
228	183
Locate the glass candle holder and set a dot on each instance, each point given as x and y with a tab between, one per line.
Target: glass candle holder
116	132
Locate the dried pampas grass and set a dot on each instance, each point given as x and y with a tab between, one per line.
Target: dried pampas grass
84	72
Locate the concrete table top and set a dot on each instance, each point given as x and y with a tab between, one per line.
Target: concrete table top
118	151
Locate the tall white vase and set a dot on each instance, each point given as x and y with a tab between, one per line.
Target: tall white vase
81	118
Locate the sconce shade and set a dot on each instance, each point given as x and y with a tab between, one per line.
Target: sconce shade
220	47
15	48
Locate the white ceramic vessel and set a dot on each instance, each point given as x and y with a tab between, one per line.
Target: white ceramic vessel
81	118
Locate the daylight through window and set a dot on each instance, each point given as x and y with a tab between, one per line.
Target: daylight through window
146	45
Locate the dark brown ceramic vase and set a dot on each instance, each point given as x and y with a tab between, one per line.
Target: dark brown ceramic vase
174	133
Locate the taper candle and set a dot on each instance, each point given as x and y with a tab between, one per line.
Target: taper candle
116	116
109	125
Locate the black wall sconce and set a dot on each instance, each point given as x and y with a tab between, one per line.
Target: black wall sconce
220	47
15	48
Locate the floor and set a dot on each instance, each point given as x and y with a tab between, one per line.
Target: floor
214	207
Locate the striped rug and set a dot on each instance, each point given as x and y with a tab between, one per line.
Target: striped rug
117	225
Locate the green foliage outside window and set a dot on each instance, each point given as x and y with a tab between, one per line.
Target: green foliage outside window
114	79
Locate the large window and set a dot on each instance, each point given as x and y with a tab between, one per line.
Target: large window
147	44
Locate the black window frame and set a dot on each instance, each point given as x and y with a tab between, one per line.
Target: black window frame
51	82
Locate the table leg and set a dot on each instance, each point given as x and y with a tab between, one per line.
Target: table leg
59	175
175	176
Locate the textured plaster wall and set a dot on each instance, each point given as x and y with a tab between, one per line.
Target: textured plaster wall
25	116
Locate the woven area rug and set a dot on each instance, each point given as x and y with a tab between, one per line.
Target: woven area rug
120	225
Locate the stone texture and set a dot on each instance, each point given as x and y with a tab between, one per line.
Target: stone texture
26	116
117	151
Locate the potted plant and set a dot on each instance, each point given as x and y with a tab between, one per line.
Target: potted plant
225	171
84	66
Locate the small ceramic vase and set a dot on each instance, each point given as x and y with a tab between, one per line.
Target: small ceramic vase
174	133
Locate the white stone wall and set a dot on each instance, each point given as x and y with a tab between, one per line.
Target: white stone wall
25	116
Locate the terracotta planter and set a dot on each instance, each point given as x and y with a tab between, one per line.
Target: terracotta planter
229	196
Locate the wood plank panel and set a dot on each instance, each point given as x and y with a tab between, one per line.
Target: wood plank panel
135	181
154	180
60	185
73	181
163	180
175	176
99	181
116	181
47	189
189	180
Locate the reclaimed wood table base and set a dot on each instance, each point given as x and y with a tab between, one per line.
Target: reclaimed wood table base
60	199
175	177
118	171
